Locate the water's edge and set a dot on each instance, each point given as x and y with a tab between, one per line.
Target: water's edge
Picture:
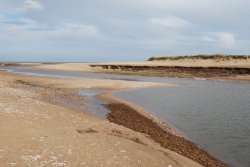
138	94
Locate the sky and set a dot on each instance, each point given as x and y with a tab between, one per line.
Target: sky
121	30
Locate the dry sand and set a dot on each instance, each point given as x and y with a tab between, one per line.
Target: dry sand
76	67
37	133
84	67
241	63
236	70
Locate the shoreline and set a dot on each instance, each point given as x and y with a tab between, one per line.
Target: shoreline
137	119
180	69
232	72
149	125
237	74
113	100
79	128
133	108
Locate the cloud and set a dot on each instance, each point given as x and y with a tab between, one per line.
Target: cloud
32	5
15	26
20	28
73	30
129	28
18	22
224	39
169	22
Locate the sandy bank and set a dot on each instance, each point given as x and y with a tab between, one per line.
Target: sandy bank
35	132
84	67
136	118
237	63
74	67
238	70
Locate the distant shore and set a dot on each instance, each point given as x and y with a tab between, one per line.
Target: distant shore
215	68
218	67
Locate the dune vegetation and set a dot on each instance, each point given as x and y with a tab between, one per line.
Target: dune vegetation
204	57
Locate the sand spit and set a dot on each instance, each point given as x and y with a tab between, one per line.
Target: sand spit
233	63
35	132
73	67
214	73
237	70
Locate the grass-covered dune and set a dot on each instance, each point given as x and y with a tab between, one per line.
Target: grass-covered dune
200	57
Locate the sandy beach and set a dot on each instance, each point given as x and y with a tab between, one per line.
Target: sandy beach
36	131
153	83
149	132
234	70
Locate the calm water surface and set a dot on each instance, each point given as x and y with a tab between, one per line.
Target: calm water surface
213	114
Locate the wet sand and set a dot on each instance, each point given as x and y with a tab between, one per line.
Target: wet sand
37	131
136	118
142	121
124	115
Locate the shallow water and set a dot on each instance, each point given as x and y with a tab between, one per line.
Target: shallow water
213	114
94	105
61	74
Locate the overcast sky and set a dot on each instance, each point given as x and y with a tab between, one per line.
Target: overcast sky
121	30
